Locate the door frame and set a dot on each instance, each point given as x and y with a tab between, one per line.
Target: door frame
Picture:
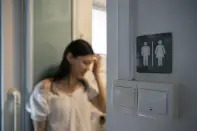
1	101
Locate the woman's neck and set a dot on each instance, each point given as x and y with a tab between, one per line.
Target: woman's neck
70	81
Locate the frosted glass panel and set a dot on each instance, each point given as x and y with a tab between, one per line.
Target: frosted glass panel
52	32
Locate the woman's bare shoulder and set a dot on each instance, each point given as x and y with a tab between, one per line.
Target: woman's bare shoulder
46	84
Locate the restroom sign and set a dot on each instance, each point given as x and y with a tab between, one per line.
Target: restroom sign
154	53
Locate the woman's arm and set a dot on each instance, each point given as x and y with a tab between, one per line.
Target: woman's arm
100	100
39	125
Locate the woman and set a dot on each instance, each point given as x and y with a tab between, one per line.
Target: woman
61	103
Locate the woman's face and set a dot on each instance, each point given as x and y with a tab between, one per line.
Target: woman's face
80	65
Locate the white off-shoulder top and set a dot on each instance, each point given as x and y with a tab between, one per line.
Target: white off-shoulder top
63	112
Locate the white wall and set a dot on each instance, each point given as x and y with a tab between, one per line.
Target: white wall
148	17
54	27
82	19
11	44
52	32
7	41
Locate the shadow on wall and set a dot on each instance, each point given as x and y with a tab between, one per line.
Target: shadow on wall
49	72
46	60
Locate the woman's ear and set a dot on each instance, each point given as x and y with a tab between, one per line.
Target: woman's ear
69	57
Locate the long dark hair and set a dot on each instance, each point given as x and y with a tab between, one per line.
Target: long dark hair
77	48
